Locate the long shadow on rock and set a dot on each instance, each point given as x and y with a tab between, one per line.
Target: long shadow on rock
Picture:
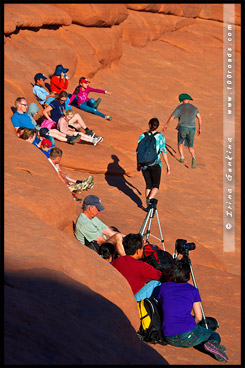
115	176
51	319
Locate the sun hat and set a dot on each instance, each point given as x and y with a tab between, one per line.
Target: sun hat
184	96
93	200
60	69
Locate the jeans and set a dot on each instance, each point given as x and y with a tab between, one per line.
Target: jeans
89	107
194	337
148	290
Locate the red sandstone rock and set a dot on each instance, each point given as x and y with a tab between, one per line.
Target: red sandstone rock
145	7
96	15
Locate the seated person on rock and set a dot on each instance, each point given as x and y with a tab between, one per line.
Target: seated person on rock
59	80
74	185
142	277
180	327
22	119
71	123
84	102
90	228
107	251
33	136
56	110
39	91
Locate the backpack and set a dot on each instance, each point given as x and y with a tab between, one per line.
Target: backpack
50	124
158	258
146	149
150	312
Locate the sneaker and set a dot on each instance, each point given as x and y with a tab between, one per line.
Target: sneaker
76	198
75	139
108	117
193	165
97	102
217	350
97	141
181	159
87	183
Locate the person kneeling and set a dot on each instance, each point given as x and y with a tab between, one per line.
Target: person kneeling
179	327
142	277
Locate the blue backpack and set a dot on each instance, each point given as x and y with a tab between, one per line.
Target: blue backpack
146	149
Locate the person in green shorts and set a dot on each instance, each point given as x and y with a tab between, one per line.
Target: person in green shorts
186	114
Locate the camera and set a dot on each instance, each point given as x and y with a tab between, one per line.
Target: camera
182	247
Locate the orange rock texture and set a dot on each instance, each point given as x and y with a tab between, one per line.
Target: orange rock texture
63	303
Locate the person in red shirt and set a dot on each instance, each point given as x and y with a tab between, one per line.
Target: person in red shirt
59	80
141	276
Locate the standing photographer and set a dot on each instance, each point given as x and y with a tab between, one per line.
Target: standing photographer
152	170
180	327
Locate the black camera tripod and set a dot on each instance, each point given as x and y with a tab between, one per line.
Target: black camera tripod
152	211
186	254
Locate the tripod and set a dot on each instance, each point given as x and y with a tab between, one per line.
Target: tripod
186	253
152	211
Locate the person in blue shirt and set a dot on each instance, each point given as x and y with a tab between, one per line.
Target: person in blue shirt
20	118
152	172
39	91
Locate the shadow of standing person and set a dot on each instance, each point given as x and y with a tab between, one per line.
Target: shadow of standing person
115	177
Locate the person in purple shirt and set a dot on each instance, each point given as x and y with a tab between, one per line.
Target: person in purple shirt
84	102
180	327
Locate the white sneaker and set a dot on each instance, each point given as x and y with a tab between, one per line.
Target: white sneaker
97	141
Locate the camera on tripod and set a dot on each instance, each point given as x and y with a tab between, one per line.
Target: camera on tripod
182	247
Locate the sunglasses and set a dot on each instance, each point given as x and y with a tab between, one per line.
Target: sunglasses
62	100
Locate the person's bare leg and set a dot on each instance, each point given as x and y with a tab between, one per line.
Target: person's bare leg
153	193
192	152
181	151
58	135
77	122
116	240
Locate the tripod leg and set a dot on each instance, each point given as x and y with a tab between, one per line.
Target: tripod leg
144	223
151	212
160	231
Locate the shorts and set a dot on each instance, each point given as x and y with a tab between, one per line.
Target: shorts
186	134
152	176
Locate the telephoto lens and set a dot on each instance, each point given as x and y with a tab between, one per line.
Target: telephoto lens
190	246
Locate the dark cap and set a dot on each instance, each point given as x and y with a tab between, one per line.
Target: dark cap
93	200
44	132
184	96
40	76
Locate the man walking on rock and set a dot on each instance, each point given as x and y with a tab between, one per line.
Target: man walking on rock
186	113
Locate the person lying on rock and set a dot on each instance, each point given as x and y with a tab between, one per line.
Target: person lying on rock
21	119
56	110
142	277
69	124
180	327
74	185
39	91
84	102
90	228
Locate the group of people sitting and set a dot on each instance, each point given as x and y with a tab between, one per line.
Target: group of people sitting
178	298
59	121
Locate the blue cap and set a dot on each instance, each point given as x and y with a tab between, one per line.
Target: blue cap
60	69
40	76
93	200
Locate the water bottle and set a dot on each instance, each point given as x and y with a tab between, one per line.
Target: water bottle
66	77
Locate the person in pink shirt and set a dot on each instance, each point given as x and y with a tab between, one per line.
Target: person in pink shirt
84	102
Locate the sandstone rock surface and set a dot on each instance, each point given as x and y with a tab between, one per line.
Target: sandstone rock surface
73	307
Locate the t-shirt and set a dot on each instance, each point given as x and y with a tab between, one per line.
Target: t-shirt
136	272
90	229
40	93
160	146
186	114
22	120
177	302
57	110
36	141
62	125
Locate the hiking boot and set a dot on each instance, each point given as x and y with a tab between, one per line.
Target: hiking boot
75	139
108	117
76	198
181	159
87	183
193	164
97	102
97	141
217	350
89	132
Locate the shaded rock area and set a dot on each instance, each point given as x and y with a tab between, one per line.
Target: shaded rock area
63	303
